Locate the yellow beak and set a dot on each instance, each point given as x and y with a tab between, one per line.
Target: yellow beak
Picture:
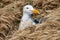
35	11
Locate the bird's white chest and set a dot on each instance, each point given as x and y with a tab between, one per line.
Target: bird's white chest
25	24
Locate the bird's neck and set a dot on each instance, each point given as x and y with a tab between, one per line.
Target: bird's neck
26	17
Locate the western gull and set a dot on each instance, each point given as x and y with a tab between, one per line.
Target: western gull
27	20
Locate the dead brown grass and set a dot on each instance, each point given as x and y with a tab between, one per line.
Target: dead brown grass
10	15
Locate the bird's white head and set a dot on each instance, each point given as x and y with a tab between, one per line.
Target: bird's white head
29	9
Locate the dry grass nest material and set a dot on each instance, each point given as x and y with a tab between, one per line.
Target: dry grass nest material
10	15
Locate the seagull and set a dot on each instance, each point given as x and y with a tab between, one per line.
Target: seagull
26	20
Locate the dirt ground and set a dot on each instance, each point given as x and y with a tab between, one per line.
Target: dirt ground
47	29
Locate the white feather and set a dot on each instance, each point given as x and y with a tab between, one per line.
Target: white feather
26	20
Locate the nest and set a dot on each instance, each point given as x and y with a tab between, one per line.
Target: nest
10	15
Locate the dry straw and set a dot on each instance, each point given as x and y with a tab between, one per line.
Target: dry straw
10	15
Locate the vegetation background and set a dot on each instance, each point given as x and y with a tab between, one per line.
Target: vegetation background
47	29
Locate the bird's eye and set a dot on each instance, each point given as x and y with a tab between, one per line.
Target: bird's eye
27	8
